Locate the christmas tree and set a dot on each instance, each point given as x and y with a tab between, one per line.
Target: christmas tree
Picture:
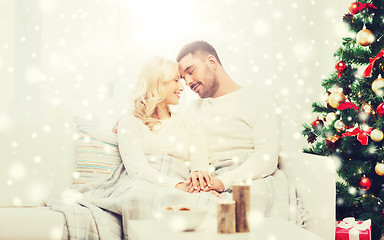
350	122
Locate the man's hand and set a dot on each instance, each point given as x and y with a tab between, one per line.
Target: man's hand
198	180
217	186
216	193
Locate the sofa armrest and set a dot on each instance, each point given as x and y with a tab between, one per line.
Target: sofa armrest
314	179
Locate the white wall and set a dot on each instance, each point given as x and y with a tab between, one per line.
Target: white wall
64	58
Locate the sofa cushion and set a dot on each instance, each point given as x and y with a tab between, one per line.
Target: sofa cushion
31	223
96	152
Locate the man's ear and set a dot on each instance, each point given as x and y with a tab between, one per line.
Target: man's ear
212	61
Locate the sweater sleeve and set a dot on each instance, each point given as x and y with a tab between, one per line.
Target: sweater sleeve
264	159
198	151
130	142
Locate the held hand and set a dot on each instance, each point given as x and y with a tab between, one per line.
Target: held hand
198	180
217	186
182	186
216	193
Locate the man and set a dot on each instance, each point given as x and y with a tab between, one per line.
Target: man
240	122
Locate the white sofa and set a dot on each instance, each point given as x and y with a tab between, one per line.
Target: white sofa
22	215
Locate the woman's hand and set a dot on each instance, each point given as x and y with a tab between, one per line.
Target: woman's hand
182	186
198	180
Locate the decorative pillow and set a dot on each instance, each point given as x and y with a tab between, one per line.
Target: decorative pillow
96	152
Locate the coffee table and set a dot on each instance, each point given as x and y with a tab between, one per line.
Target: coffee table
266	229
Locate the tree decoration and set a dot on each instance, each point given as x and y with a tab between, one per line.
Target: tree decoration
335	98
365	37
376	135
362	135
333	141
330	118
341	67
377	84
366	108
339	125
380	109
355	7
311	137
379	66
365	183
348	17
379	169
347	105
368	70
318	123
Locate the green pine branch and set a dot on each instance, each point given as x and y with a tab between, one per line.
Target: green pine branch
318	108
353	52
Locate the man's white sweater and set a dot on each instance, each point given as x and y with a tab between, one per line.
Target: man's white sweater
241	122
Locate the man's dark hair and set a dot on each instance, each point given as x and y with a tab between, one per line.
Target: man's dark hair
196	46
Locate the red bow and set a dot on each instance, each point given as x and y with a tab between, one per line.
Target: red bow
372	61
362	136
365	5
347	105
361	6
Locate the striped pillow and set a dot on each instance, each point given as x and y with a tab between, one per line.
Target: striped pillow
96	152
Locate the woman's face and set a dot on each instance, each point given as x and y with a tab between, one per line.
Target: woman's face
173	88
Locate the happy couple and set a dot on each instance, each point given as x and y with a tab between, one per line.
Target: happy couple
231	128
227	136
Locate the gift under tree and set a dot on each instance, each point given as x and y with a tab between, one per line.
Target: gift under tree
350	120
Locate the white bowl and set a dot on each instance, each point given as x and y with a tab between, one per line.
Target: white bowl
188	219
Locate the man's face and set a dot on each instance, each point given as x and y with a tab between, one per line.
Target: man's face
198	75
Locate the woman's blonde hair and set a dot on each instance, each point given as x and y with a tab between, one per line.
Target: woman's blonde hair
150	91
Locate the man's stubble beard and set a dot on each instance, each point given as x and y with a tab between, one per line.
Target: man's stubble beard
210	89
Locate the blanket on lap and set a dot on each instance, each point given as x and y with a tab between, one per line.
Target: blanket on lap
101	209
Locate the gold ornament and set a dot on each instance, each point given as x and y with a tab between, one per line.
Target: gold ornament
378	83
365	37
330	118
335	98
339	125
379	169
377	135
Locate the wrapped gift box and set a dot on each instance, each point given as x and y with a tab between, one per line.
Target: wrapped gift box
350	229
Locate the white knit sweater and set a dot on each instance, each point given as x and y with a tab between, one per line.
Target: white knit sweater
242	122
178	137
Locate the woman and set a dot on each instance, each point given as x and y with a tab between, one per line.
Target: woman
159	151
153	129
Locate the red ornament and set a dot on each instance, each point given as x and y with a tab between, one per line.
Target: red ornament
355	7
340	66
365	183
318	123
380	109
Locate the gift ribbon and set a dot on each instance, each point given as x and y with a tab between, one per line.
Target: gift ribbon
351	223
362	135
372	61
